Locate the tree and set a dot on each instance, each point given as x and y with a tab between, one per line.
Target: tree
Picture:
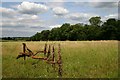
64	30
109	29
36	37
55	34
45	35
95	21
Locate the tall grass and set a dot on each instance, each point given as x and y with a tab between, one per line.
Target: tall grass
81	59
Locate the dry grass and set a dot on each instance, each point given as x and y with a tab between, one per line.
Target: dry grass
81	59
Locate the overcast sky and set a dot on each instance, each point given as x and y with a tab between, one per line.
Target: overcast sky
22	19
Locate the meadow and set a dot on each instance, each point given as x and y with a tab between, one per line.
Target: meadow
80	59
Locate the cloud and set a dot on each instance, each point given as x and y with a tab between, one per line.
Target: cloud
15	23
31	8
53	26
55	3
62	0
60	11
80	16
16	33
13	19
25	16
21	21
110	16
8	17
98	4
7	12
28	18
104	4
102	0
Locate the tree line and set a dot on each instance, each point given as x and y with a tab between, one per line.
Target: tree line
15	38
96	30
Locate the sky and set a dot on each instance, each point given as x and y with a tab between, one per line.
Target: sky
25	18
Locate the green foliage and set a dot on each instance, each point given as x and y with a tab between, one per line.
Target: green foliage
95	21
15	38
109	30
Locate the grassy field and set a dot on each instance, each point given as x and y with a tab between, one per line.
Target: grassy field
81	59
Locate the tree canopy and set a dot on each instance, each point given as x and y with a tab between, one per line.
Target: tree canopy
96	30
95	21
